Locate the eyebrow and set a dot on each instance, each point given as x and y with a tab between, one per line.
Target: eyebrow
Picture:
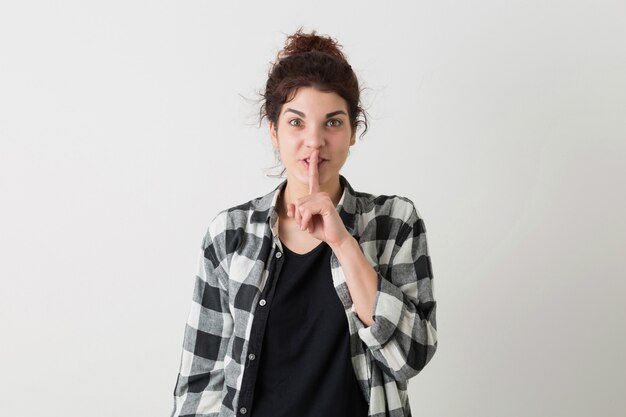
331	114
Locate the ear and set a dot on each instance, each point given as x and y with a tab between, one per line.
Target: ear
353	138
273	134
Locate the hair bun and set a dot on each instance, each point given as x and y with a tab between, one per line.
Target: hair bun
301	42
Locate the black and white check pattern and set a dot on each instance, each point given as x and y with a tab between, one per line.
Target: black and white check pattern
234	266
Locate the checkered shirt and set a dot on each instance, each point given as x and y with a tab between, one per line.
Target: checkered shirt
234	267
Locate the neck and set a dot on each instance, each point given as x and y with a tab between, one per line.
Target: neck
294	190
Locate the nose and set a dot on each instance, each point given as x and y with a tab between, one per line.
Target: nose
314	137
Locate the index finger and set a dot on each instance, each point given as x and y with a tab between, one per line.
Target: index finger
314	181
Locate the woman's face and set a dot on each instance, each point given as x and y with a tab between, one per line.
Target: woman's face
313	120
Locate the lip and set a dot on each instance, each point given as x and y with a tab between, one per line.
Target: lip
319	164
319	158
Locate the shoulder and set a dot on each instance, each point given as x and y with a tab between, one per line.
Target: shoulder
235	220
383	217
386	206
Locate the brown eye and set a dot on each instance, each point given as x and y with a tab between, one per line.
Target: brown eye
294	120
337	122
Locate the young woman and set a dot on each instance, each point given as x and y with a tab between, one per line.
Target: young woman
314	299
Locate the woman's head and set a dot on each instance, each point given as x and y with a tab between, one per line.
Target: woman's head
310	63
310	60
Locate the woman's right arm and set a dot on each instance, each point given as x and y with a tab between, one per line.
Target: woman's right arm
209	326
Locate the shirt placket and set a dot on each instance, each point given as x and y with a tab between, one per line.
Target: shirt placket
257	332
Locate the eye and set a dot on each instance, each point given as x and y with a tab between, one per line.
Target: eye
295	120
337	124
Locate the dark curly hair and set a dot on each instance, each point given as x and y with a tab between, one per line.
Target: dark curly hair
311	60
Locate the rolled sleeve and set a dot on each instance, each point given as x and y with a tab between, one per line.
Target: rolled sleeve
403	335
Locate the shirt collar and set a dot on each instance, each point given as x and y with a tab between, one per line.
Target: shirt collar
266	210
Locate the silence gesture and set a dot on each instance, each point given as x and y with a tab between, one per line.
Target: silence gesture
316	212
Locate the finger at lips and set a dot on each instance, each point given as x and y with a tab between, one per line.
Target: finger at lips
313	172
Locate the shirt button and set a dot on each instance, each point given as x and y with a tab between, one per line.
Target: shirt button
262	302
243	410
251	356
278	254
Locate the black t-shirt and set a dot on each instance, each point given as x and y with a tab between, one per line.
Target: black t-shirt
305	366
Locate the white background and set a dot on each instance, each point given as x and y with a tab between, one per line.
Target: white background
125	126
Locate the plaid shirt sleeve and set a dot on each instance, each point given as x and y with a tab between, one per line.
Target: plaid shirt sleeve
403	337
198	390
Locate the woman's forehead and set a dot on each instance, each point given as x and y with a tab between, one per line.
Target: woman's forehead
311	101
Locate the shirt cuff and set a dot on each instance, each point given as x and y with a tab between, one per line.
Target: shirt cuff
388	306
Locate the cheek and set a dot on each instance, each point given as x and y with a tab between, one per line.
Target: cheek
288	152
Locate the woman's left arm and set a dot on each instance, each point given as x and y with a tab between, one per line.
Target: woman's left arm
402	334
